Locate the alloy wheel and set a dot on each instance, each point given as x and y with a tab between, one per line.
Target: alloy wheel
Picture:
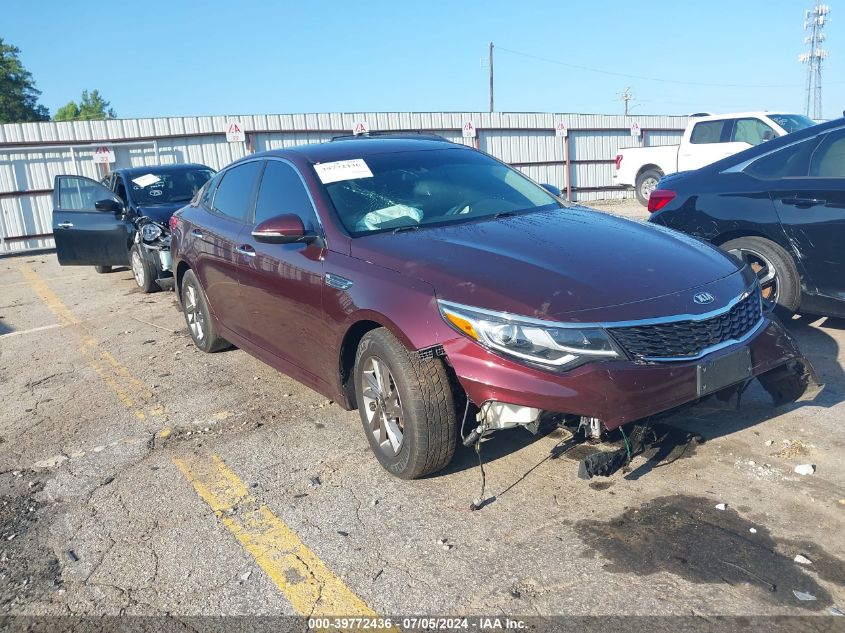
767	276
138	269
383	408
193	312
647	186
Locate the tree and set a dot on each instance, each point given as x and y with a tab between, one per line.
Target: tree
92	107
18	95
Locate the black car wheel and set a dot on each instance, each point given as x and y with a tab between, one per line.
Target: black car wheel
198	316
406	404
142	270
646	183
102	269
775	268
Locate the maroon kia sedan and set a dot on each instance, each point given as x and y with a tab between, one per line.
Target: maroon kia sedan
431	286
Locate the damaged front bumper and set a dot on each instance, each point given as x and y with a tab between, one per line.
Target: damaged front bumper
622	391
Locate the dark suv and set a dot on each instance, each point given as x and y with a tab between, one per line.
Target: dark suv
433	287
122	221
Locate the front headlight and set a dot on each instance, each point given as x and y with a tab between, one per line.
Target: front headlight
529	340
150	232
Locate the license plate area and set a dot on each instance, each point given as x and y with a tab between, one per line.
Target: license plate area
722	372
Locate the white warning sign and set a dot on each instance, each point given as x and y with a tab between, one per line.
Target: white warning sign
235	132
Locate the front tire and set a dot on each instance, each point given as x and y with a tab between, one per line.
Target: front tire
646	183
406	404
142	271
198	316
779	281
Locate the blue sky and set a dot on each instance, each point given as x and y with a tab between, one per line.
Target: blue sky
180	57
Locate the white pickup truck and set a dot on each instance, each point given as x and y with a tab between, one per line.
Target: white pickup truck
706	140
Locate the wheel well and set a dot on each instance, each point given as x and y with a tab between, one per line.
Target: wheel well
348	350
732	235
649	167
181	269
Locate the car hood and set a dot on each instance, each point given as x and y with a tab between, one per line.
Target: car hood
552	264
160	212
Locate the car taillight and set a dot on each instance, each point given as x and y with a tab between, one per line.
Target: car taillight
172	222
659	198
618	161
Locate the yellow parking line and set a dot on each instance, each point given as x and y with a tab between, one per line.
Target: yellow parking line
308	584
50	298
305	580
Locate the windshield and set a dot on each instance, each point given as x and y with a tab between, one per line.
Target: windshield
167	187
792	122
412	189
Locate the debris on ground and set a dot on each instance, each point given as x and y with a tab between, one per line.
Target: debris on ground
752	530
769	442
835	611
245	576
315	481
802	560
721	506
805	469
793	448
804	597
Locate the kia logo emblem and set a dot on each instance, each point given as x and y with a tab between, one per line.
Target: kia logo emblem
703	298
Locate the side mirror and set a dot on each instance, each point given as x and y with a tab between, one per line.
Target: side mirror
282	229
108	205
551	189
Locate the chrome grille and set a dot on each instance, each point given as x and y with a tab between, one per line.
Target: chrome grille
689	339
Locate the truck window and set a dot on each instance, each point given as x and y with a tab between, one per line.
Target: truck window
707	132
751	131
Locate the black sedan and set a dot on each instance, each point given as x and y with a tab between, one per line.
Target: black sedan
779	206
122	220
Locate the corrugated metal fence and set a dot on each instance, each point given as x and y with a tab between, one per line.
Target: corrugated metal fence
31	154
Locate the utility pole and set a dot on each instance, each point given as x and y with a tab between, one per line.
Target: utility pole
491	76
814	21
626	97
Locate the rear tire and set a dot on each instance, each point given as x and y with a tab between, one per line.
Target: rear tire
142	271
646	183
102	269
779	280
198	316
406	398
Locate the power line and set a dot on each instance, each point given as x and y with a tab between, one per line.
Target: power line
643	78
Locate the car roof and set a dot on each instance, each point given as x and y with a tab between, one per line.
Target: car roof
345	148
741	115
139	171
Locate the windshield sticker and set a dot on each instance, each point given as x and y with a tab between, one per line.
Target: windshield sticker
146	180
156	192
342	170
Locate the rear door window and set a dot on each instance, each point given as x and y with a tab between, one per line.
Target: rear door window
707	132
788	162
828	161
236	192
282	192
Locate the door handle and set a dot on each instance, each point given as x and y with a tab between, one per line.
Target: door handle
804	202
65	225
196	233
245	249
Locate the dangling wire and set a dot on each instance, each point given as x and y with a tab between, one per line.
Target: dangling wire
627	445
478	503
